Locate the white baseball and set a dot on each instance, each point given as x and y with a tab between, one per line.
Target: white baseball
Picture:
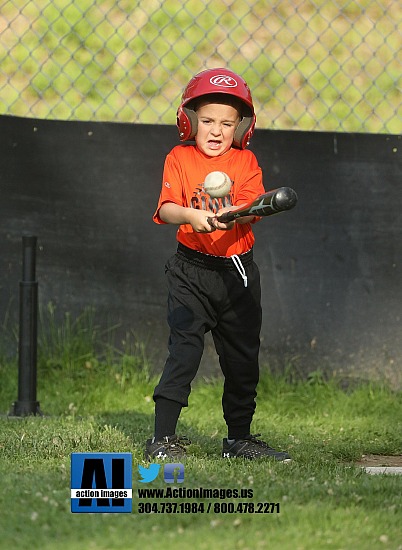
217	184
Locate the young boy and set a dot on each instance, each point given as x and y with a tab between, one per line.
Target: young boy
213	282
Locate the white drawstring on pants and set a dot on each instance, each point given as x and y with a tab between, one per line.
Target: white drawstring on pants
240	268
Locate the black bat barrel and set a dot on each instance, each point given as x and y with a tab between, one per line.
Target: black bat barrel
272	202
284	198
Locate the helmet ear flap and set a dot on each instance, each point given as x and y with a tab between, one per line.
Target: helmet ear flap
187	123
243	132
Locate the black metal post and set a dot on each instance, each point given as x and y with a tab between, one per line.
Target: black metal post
28	331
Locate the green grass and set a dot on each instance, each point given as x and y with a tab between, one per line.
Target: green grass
310	66
93	404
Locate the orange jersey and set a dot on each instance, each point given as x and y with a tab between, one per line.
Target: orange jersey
183	177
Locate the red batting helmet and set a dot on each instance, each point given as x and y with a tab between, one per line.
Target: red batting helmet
213	81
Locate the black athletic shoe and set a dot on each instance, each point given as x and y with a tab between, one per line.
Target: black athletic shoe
250	447
168	447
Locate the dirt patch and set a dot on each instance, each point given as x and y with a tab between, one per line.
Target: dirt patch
380	460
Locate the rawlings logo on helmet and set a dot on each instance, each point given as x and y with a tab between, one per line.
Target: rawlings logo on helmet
223	80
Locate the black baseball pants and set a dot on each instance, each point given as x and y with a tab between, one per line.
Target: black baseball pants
208	294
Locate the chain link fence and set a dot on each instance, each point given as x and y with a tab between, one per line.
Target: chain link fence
311	64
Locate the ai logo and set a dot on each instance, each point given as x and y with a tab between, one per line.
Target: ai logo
101	482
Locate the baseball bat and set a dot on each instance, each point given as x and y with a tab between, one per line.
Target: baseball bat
267	204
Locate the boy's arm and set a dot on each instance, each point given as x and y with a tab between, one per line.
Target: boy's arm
173	213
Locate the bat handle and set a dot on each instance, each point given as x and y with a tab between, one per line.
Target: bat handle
226	217
223	218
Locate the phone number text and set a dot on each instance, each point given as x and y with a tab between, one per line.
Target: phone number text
208	508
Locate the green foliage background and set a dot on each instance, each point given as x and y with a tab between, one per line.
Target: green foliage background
322	65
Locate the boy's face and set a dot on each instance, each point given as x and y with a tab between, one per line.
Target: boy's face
216	127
